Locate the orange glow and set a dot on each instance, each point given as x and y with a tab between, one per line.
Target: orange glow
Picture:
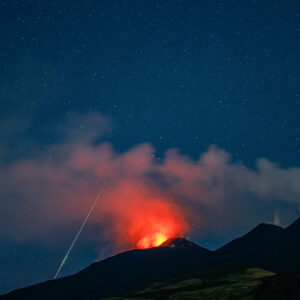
141	217
151	241
155	222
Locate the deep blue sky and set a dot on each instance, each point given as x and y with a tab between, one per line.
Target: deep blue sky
183	74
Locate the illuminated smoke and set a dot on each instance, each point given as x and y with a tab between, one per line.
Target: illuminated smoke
148	200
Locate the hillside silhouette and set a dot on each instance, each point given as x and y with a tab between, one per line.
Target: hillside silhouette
266	247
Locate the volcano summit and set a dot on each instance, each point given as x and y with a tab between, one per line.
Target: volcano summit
178	242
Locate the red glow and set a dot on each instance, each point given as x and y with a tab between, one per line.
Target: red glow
155	222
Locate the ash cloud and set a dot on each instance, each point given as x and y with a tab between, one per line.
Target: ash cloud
45	195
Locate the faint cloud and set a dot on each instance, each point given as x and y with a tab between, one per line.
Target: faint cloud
79	127
276	220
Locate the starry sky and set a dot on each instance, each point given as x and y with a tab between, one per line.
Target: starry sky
173	74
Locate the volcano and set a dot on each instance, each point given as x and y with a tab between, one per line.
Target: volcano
179	242
267	246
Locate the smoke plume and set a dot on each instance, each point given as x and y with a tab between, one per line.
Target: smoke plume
146	200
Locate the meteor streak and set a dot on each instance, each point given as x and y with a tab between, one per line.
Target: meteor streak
80	229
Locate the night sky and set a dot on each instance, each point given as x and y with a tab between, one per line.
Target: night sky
172	74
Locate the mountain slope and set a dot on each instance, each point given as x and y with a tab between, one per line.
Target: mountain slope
236	285
258	239
294	228
182	243
121	273
267	246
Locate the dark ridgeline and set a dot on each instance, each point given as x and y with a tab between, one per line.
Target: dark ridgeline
180	242
266	246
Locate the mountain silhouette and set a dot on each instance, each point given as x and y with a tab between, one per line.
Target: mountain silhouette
267	246
294	228
182	243
256	240
121	273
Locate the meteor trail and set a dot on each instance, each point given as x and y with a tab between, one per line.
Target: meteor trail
80	229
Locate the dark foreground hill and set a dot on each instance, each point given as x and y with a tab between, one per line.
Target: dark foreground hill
120	273
238	285
267	247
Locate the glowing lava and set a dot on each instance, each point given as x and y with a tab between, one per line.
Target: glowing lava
151	241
